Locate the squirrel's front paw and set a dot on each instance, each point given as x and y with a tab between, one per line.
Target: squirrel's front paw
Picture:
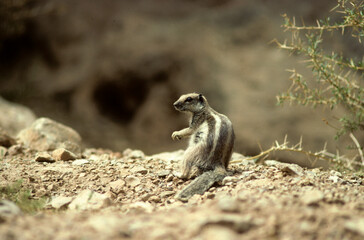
176	136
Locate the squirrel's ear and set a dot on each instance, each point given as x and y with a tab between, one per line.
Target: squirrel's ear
200	97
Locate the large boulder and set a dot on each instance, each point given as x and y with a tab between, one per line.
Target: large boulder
14	117
47	135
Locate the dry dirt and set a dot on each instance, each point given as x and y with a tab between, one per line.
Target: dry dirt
258	201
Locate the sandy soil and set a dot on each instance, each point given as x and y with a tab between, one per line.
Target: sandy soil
270	201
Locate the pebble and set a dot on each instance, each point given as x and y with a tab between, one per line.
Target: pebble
136	154
246	174
139	169
167	194
145	197
44	157
132	181
61	154
155	199
290	168
336	173
117	186
15	149
60	202
210	195
89	200
334	178
163	173
140	188
169	178
229	179
80	162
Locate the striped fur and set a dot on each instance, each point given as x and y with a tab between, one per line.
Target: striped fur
211	136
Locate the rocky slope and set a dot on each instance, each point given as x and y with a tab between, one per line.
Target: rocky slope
100	194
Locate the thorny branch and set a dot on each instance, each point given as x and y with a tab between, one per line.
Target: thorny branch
339	80
284	147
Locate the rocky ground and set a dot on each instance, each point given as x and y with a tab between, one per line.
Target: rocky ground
100	194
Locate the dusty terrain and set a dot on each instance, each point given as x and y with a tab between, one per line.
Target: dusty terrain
132	197
114	69
111	70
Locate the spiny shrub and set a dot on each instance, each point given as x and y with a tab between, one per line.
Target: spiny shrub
339	79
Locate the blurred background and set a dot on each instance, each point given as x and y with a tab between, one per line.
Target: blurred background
111	69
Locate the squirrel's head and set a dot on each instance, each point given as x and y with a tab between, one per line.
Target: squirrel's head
192	102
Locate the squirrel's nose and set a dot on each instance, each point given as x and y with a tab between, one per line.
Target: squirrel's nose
177	105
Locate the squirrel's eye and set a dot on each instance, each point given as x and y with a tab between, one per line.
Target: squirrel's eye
189	99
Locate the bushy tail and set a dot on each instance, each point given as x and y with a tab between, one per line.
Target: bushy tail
201	184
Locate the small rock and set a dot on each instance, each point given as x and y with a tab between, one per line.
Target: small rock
163	173
311	174
167	194
312	197
89	200
8	210
132	181
140	188
246	174
229	179
290	168
60	202
134	154
145	197
126	152
228	204
293	169
61	154
15	149
155	199
117	186
79	162
210	195
334	178
169	178
3	152
139	169
335	173
6	140
47	135
356	225
44	157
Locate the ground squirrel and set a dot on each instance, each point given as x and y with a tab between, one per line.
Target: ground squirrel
211	142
